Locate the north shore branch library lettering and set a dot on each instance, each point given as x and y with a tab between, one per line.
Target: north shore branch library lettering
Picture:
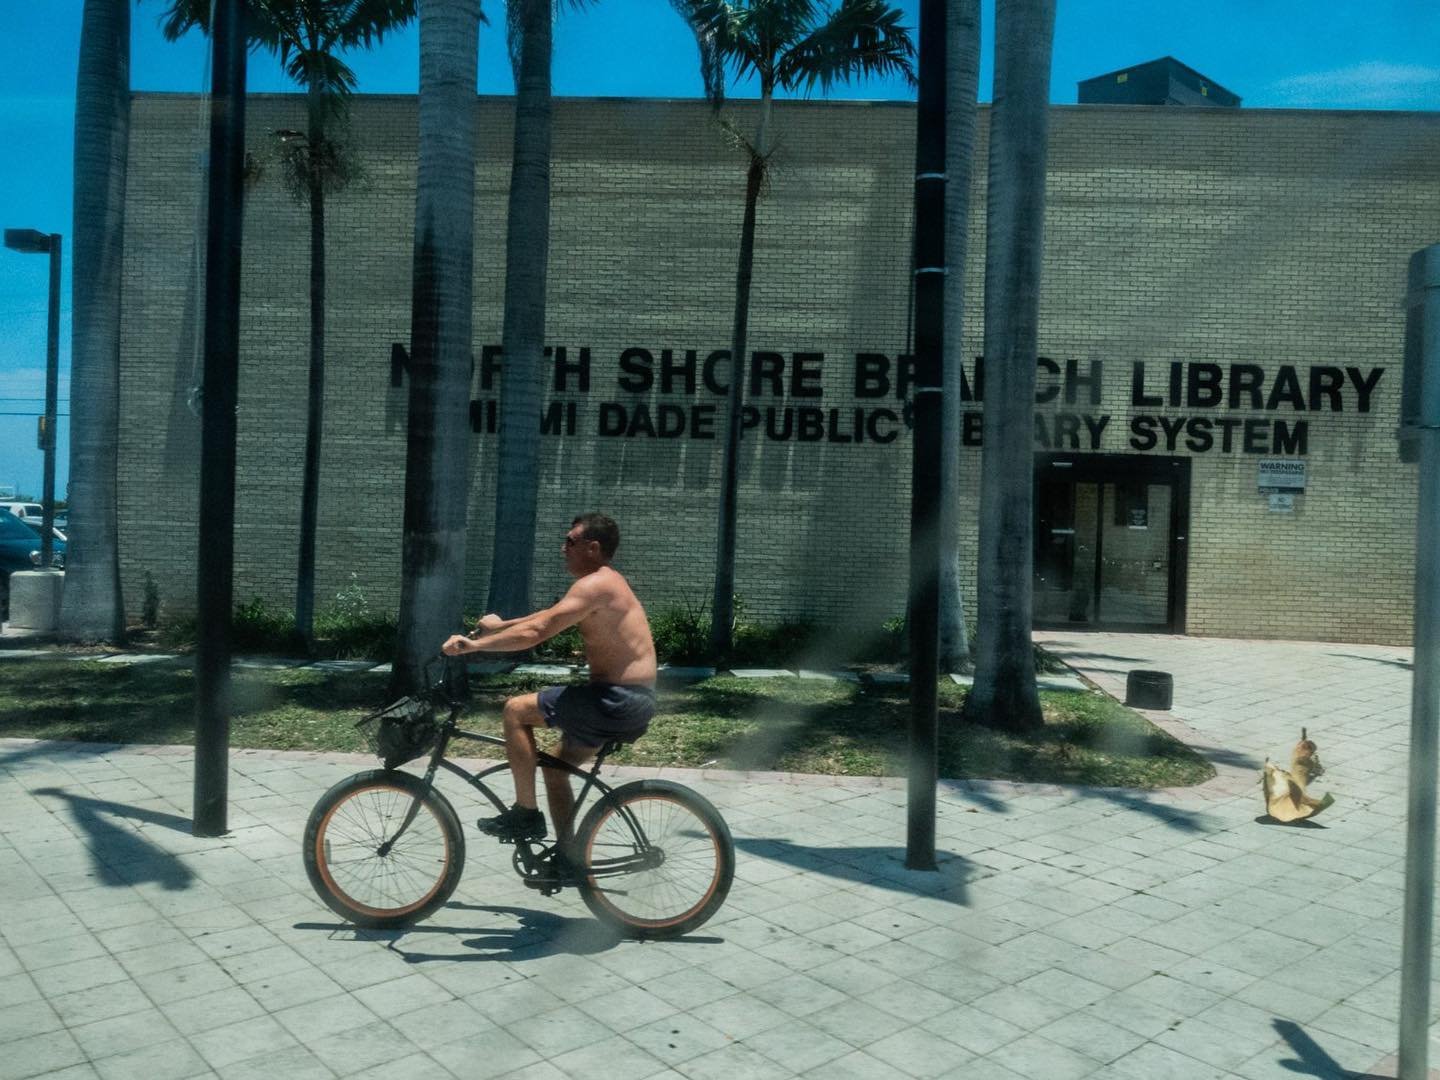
682	373
1216	389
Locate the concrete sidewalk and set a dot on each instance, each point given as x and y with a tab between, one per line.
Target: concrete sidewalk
1068	932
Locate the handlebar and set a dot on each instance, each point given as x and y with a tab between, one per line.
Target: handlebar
447	680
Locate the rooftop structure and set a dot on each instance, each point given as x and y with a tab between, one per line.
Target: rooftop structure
1165	81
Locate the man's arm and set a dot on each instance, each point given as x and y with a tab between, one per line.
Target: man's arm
488	624
525	633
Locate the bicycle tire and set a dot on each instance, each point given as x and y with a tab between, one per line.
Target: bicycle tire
681	893
401	887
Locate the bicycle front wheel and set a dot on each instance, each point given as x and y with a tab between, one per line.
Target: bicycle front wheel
358	867
658	859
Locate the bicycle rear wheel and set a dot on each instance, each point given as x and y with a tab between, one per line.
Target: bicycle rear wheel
680	874
357	875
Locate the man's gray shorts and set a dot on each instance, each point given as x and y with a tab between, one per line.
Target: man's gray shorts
595	713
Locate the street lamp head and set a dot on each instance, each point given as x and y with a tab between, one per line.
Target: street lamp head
32	241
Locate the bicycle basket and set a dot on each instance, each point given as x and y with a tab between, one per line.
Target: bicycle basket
402	731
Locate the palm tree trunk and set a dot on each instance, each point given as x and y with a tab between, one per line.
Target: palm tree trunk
91	607
527	244
1004	694
315	413
962	79
438	444
723	603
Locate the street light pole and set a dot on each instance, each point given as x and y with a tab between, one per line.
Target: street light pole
52	379
35	242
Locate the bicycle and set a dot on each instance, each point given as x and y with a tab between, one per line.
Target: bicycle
385	849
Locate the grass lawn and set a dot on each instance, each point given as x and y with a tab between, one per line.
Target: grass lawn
767	724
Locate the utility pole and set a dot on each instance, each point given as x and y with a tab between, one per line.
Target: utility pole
215	584
35	242
929	271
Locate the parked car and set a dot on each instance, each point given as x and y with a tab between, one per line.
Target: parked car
25	510
20	550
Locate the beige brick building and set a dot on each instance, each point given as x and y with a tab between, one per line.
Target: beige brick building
1220	315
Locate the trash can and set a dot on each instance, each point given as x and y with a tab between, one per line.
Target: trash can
1149	689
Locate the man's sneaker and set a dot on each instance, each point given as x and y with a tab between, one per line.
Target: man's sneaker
517	823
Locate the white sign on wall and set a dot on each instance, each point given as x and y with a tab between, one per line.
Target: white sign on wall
1282	474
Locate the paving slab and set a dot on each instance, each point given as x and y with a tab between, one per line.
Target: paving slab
760	673
134	659
1067	932
549	671
829	676
342	665
685	674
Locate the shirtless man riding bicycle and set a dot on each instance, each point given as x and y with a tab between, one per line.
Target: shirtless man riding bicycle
617	702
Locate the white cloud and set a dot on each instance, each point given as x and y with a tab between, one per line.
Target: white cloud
1371	85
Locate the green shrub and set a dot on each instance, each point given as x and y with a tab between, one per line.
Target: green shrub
682	634
349	630
177	632
566	647
259	627
347	637
774	644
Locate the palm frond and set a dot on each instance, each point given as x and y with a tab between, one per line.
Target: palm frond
324	71
709	21
362	23
862	38
183	16
774	27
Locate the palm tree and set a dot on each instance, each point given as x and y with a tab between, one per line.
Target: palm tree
527	245
963	79
92	607
1004	694
438	445
308	36
794	46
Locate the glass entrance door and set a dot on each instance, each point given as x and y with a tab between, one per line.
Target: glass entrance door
1110	542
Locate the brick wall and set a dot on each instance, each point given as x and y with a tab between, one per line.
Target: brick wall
1225	237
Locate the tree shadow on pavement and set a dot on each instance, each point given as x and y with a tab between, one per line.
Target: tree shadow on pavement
1403	664
883	867
122	855
1176	817
1311	1059
1074	658
22	756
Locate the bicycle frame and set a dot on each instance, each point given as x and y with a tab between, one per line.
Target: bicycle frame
450	729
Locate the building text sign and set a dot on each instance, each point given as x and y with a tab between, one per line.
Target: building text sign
1175	405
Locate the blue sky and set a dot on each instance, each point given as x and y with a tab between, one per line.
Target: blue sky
1274	53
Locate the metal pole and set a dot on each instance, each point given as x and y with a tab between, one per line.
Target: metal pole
1423	427
929	269
52	378
217	433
